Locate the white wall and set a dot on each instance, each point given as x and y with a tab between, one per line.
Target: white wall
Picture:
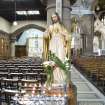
4	25
23	23
8	27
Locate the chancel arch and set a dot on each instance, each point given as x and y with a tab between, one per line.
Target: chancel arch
26	41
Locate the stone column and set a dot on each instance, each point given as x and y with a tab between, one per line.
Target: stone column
89	43
83	43
66	14
88	29
100	42
12	47
51	8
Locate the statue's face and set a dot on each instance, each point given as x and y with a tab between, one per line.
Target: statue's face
54	18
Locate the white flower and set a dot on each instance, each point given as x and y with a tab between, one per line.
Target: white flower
48	63
66	59
67	65
52	63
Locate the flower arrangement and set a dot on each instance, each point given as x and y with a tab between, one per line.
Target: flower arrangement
54	62
65	66
48	67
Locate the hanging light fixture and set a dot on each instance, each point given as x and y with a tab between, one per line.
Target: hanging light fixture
97	8
15	22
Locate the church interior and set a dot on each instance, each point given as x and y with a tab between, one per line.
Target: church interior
23	76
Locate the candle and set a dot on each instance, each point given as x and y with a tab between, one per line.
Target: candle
35	85
59	95
49	88
30	85
54	95
25	84
33	89
44	92
65	95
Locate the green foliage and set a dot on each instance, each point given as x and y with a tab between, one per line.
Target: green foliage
49	71
63	66
54	62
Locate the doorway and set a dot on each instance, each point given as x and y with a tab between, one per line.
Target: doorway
20	51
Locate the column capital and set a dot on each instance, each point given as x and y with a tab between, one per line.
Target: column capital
13	38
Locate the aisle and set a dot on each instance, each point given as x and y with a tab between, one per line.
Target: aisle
87	94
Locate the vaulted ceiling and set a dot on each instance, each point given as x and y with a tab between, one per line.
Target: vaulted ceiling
8	7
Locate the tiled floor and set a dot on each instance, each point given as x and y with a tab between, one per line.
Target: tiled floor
87	94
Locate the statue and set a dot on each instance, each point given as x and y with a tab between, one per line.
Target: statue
57	40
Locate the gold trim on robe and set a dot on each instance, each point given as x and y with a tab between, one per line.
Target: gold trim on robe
53	30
